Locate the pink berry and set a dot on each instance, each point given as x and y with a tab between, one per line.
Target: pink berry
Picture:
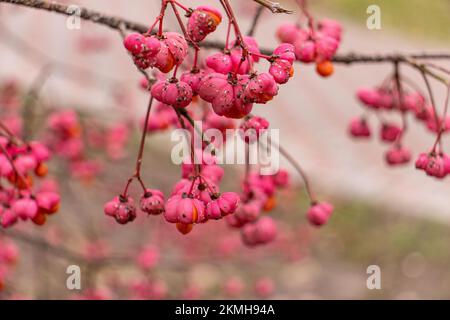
260	89
203	21
390	132
397	155
172	92
358	128
121	208
152	202
320	213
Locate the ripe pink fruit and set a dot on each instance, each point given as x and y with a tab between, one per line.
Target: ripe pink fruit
320	213
331	28
185	210
281	178
326	47
6	168
422	161
260	88
305	51
397	155
172	92
390	132
225	95
281	67
369	97
48	202
193	79
25	208
152	202
121	208
288	32
7	217
224	205
262	231
220	62
134	43
358	128
203	21
436	167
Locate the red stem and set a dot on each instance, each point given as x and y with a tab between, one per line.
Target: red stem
137	173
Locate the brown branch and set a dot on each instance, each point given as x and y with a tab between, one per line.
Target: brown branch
275	7
119	23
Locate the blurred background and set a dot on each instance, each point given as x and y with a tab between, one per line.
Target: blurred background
396	218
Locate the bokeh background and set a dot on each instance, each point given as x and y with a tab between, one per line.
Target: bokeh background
396	218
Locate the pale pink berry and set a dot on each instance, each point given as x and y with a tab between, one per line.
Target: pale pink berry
331	28
397	155
414	101
319	213
422	161
172	92
262	231
288	32
368	96
247	212
390	132
326	47
359	128
152	202
203	21
385	100
266	230
305	51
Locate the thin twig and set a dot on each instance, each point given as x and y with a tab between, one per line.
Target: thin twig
275	7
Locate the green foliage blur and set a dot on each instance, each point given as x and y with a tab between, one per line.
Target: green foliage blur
421	18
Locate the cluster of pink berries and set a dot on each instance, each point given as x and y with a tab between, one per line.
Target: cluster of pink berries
392	97
19	163
228	81
196	198
315	43
258	196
